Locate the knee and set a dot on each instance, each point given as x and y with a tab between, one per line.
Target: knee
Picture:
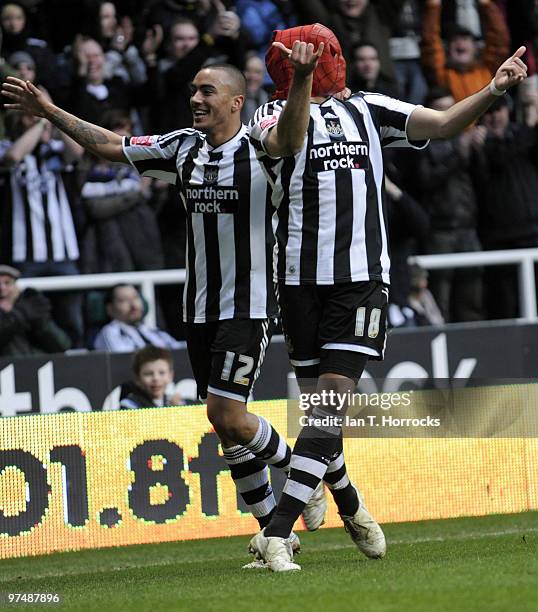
228	424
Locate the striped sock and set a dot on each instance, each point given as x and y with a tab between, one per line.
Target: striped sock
342	490
269	446
251	478
309	462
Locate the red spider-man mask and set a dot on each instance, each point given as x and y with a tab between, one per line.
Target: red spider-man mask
330	72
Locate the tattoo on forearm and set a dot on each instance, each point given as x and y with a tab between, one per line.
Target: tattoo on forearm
81	131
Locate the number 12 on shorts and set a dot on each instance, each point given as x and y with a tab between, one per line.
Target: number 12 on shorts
240	376
373	324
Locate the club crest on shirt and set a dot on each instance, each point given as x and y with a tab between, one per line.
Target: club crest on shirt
334	128
211	174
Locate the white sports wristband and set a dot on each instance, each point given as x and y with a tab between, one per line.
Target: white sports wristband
494	91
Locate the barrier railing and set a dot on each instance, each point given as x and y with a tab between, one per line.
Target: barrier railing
523	258
145	280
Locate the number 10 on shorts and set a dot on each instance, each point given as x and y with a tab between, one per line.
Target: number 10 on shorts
373	324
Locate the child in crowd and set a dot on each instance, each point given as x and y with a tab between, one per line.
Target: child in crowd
154	371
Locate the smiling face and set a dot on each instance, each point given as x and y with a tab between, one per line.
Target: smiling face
154	377
183	38
462	50
93	53
215	99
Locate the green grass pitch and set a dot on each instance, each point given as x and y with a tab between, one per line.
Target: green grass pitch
474	564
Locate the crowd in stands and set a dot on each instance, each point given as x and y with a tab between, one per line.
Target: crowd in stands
127	65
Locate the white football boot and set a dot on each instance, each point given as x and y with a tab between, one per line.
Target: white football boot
276	552
316	508
261	564
365	532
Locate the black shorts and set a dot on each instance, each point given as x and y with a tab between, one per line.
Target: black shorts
346	317
226	356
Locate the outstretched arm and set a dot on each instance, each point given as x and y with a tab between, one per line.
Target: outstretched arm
426	123
287	137
27	98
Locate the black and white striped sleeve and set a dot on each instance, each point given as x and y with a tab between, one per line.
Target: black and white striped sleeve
156	156
392	117
265	118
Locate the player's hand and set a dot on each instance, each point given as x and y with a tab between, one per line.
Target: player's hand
302	56
25	96
343	95
512	71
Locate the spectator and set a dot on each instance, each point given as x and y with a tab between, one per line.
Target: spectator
186	52
37	227
122	58
122	233
153	369
448	195
365	72
5	70
405	52
256	94
463	70
26	327
506	186
421	299
24	64
408	228
528	102
165	12
16	38
354	21
126	331
92	93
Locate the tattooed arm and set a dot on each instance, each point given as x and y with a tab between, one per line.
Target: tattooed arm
25	97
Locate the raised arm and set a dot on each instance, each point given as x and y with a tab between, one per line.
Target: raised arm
496	34
27	98
287	137
433	53
25	144
427	123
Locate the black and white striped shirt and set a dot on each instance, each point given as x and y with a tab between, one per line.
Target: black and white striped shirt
229	234
120	337
330	218
36	223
